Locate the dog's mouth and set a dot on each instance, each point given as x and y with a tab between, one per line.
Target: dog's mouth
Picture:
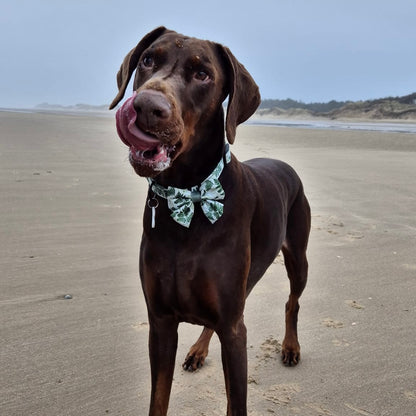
158	157
150	152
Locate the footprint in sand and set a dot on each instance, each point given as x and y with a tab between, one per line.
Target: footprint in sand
281	394
411	395
354	304
331	224
340	343
331	323
139	326
270	349
354	235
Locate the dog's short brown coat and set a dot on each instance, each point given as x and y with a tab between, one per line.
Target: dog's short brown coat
203	274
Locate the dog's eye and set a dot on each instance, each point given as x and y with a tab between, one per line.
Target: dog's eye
148	61
201	76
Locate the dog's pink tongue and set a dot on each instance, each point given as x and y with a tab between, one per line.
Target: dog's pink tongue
129	133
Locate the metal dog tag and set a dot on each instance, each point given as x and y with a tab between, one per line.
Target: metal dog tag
153	203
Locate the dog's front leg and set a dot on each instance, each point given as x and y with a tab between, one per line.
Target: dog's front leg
234	359
163	342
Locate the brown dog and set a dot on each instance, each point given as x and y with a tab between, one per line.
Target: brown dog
212	225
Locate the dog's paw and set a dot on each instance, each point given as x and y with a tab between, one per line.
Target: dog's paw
290	354
194	361
290	358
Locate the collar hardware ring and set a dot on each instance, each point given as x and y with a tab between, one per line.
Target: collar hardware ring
153	203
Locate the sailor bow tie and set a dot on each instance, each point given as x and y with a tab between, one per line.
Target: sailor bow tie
209	193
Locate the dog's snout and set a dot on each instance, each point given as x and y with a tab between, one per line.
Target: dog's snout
152	108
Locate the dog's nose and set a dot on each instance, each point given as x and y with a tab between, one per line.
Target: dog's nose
152	108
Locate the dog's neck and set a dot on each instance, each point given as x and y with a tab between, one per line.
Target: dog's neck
192	167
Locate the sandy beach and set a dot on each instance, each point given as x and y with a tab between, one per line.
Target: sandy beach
70	226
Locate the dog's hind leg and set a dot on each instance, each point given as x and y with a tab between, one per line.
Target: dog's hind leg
198	352
294	252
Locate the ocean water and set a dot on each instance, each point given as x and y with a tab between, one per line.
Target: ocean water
392	127
65	111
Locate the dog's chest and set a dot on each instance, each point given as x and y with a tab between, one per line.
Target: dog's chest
183	284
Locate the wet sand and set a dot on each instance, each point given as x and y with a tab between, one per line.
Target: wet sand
70	224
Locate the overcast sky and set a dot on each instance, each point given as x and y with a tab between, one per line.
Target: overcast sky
68	52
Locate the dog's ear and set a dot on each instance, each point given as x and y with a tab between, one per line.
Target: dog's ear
243	93
131	60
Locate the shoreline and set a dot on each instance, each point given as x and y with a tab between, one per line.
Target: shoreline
391	126
321	123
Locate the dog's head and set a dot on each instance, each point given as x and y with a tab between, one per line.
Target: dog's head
180	84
